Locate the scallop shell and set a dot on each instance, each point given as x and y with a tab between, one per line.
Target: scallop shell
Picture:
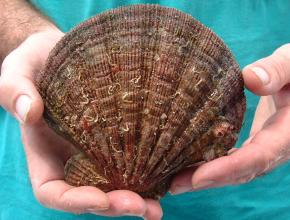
142	91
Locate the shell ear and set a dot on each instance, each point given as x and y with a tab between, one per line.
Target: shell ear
80	171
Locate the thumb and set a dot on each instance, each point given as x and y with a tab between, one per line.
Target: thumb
18	94
268	75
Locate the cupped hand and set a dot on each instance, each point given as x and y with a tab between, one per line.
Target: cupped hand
268	144
46	152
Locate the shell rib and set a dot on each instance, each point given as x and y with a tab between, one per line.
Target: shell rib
142	91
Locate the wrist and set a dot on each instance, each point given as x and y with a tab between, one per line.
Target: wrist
19	20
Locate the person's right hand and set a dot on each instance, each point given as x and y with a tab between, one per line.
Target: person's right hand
47	152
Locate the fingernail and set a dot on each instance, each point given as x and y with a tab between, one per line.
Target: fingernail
180	189
261	74
23	104
203	185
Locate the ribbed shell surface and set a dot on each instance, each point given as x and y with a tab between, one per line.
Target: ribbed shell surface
142	91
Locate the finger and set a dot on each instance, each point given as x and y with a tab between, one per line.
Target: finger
154	210
59	195
268	148
182	182
124	202
260	153
18	94
265	109
270	74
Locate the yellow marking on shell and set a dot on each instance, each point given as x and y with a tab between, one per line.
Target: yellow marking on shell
156	57
126	129
114	88
89	118
198	84
177	93
67	118
73	120
161	126
146	111
158	102
135	81
104	119
86	100
112	145
57	84
119	117
221	71
110	90
125	98
194	70
116	48
69	70
110	61
84	137
125	177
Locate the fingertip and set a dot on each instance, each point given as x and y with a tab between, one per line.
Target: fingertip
36	110
124	202
19	96
28	108
252	80
239	167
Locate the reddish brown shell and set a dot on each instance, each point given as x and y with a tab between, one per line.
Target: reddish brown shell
143	91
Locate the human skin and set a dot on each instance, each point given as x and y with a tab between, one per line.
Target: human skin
27	42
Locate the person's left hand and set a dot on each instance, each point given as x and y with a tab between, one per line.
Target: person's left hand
269	142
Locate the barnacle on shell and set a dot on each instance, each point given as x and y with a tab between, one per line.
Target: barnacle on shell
142	91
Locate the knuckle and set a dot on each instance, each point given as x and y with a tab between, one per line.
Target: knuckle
280	64
278	68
